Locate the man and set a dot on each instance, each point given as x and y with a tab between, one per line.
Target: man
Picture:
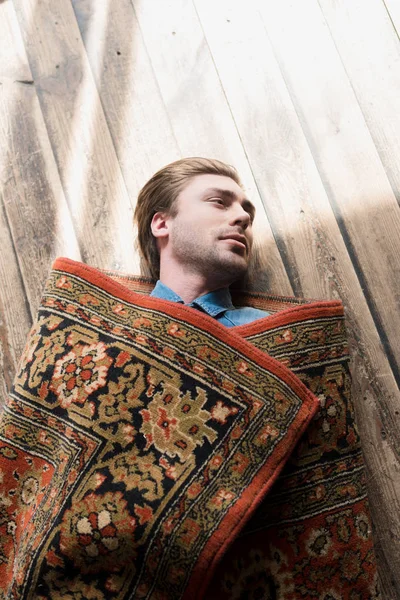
140	436
195	233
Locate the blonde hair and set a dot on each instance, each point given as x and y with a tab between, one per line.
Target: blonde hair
160	193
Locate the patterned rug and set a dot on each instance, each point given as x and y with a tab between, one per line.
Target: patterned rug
141	444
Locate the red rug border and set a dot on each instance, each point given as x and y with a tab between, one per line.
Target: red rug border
271	469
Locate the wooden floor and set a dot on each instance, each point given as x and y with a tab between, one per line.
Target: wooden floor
302	97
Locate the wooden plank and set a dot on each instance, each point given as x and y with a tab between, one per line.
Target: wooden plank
369	48
33	200
346	157
198	111
132	103
78	133
299	208
347	160
15	318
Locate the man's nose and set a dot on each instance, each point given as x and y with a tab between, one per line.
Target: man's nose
240	217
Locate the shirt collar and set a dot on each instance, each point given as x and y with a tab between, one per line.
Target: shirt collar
214	303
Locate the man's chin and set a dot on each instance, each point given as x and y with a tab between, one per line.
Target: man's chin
231	269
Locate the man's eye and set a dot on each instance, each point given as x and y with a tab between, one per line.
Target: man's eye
217	200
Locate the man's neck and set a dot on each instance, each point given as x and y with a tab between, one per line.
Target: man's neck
187	284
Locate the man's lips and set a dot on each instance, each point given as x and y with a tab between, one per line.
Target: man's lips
239	240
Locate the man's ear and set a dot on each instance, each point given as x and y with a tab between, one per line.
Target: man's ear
160	225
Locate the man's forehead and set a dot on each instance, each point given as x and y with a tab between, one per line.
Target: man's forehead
211	180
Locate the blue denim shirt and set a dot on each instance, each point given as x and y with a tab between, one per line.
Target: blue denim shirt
217	304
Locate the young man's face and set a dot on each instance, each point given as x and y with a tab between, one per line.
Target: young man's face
212	231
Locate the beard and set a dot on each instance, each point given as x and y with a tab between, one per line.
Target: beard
204	255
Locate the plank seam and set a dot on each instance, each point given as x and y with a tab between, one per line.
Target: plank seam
391	20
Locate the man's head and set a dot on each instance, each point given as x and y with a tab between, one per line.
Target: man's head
194	213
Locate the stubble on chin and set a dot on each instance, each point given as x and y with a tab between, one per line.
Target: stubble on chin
223	267
222	264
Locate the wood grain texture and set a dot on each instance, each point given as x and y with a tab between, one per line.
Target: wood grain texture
131	100
298	207
78	133
347	160
33	199
15	318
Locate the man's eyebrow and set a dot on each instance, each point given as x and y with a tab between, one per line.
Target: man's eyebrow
247	205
